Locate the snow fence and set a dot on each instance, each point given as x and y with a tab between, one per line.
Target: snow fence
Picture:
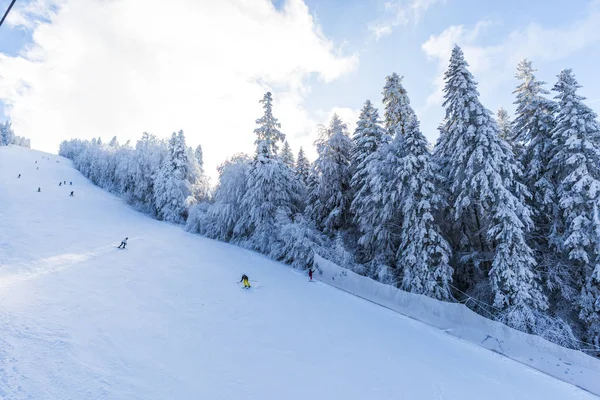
459	321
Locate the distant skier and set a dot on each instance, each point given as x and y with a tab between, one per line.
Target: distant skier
71	183
72	193
310	273
39	189
19	176
246	281
123	244
59	183
65	182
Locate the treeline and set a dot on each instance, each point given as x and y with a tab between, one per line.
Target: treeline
162	178
501	215
7	136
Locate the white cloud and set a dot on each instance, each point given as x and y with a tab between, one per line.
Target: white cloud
494	65
121	67
401	12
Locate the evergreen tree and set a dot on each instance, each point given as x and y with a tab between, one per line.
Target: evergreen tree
329	198
576	137
199	157
7	135
287	157
368	136
272	189
378	212
532	129
398	112
504	125
172	187
489	216
114	142
302	167
224	214
424	255
148	157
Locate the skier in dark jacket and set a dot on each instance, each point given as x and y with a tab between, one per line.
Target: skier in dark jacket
123	243
19	176
246	281
310	273
72	193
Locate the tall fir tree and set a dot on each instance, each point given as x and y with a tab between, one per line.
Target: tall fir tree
302	167
287	157
172	187
532	129
576	137
368	136
398	112
272	188
199	155
378	213
329	197
423	260
504	125
489	217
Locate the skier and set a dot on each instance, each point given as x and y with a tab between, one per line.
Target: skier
310	273
59	183
71	183
39	189
246	281
19	176
65	182
123	243
72	195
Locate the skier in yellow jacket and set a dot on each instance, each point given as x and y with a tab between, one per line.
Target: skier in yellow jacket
246	281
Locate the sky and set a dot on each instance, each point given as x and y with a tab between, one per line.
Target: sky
89	68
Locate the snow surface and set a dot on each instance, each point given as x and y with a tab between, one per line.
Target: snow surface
166	319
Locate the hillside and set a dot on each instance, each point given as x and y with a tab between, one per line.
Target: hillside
166	318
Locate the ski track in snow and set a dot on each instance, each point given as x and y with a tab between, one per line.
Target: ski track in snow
166	319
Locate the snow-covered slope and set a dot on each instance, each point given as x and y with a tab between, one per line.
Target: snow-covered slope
166	319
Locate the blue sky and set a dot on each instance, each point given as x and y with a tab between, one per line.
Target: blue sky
94	68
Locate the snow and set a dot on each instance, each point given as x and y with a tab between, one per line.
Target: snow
81	319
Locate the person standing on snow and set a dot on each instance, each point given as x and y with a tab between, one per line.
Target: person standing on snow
123	243
246	281
310	273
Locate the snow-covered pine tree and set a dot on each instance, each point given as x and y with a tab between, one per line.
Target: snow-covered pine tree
532	129
424	255
368	136
329	197
287	157
504	125
398	112
199	157
272	188
378	213
172	186
7	134
576	137
489	216
223	215
148	157
302	167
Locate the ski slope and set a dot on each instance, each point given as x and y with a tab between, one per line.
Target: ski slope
166	318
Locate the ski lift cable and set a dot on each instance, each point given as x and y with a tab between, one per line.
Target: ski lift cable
12	3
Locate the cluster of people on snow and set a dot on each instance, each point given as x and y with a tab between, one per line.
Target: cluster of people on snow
502	212
39	190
